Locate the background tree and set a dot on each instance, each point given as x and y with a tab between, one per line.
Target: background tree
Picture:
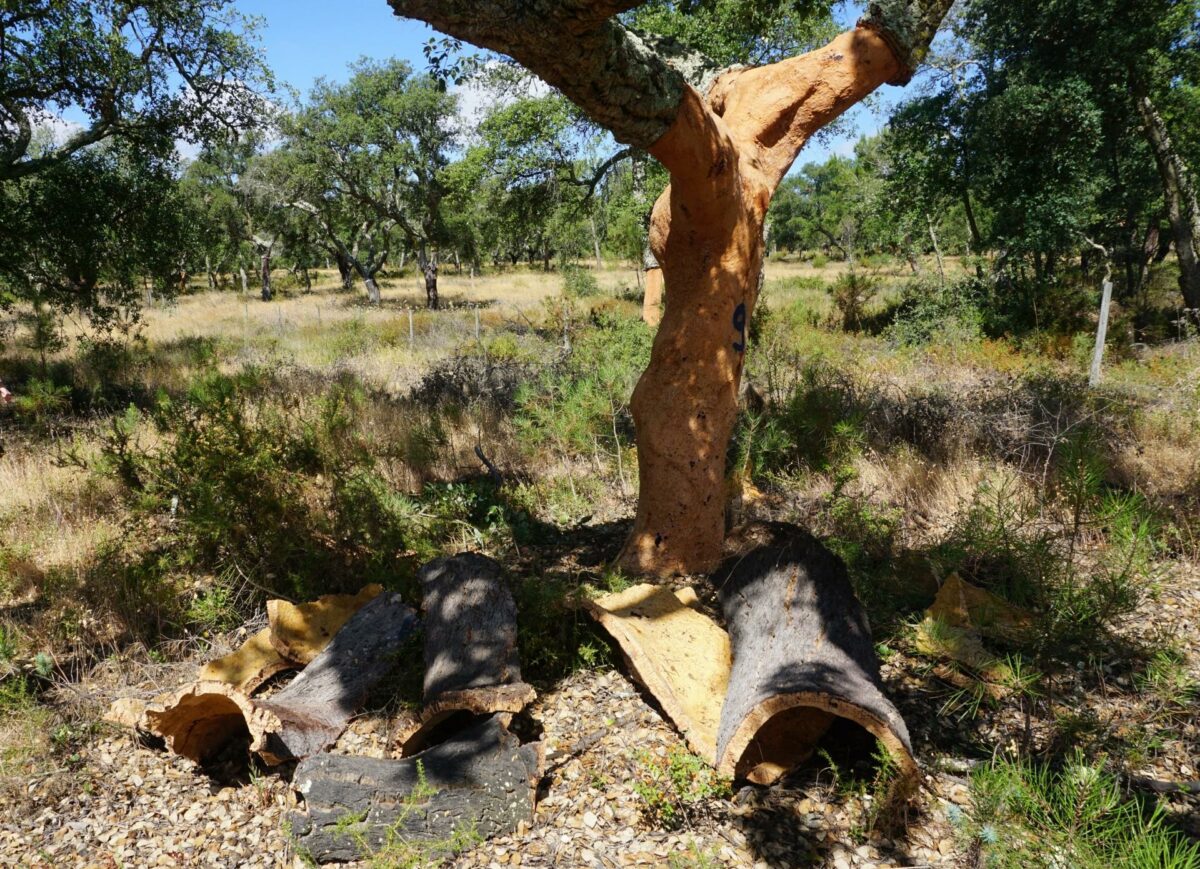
384	140
142	74
1059	120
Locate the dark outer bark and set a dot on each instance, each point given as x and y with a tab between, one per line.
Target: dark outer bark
483	780
316	706
470	625
471	658
266	277
613	74
802	654
345	270
429	270
1183	209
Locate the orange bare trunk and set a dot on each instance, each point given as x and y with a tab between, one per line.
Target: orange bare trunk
653	298
727	151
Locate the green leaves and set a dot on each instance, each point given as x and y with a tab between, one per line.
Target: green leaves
736	31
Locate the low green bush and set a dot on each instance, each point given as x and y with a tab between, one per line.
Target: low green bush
578	282
1025	815
583	403
253	481
932	312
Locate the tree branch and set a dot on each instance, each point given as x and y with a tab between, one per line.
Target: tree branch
18	168
616	76
908	27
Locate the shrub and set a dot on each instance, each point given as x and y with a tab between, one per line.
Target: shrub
673	788
584	402
1030	815
578	282
819	426
42	398
929	311
252	479
851	293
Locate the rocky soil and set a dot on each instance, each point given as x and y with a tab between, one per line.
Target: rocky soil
114	802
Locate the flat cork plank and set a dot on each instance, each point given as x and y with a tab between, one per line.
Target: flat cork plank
681	656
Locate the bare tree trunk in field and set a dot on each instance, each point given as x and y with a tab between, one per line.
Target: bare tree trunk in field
267	292
212	281
1179	191
345	270
595	242
937	251
727	138
245	279
429	270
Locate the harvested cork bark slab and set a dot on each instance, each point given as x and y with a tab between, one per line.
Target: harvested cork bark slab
802	656
300	631
256	661
680	655
201	719
480	783
472	664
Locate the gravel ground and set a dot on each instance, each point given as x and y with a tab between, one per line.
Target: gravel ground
119	803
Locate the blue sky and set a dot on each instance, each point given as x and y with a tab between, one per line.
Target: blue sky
309	39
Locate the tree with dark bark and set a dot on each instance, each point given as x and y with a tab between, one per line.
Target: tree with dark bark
1135	65
727	138
382	141
142	74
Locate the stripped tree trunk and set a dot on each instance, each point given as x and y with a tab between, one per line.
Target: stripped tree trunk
727	139
373	294
706	232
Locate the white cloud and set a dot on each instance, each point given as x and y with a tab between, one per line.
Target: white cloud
483	94
53	131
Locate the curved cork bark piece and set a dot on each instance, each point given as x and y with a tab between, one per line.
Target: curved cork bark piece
680	655
472	663
483	782
300	631
802	656
200	719
250	666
